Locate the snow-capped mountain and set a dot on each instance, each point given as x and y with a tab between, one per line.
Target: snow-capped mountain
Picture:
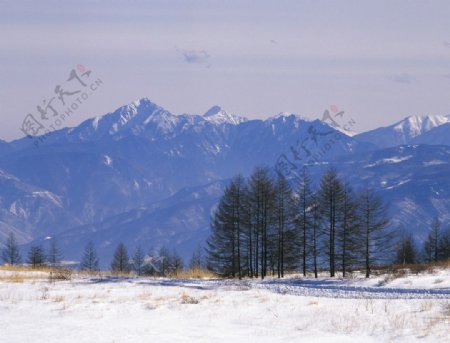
141	154
402	132
143	174
134	155
217	115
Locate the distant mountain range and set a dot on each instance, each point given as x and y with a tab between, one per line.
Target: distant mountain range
406	131
143	176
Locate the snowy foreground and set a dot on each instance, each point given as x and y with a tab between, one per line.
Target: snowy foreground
108	309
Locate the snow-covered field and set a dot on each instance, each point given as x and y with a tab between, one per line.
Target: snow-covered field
108	309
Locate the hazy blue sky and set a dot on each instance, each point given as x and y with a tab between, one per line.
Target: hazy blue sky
377	60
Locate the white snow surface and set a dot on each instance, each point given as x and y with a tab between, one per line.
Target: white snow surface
411	308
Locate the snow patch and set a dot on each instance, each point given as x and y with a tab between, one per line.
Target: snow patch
217	115
95	122
107	160
433	163
395	159
49	196
389	161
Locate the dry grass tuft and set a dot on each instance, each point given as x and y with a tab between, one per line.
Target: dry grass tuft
446	309
58	299
400	270
15	278
24	268
195	273
119	274
22	273
187	299
61	274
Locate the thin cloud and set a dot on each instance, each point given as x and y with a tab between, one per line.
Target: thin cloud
196	57
401	78
446	44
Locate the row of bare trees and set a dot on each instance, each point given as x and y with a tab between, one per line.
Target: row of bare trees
435	248
37	256
264	226
160	262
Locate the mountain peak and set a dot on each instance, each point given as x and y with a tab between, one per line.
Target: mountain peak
403	131
289	114
138	105
219	116
132	116
413	126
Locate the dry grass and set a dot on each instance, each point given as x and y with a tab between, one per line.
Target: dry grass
61	274
15	278
20	277
399	270
187	299
58	299
144	296
23	268
21	273
119	274
195	273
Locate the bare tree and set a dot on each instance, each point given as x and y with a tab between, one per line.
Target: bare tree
237	195
431	246
176	264
225	243
89	260
261	199
120	262
36	256
444	246
138	260
11	253
285	233
196	261
304	207
330	197
164	260
316	222
54	255
377	241
348	231
406	249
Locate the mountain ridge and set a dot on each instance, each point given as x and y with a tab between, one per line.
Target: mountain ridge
137	160
403	131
